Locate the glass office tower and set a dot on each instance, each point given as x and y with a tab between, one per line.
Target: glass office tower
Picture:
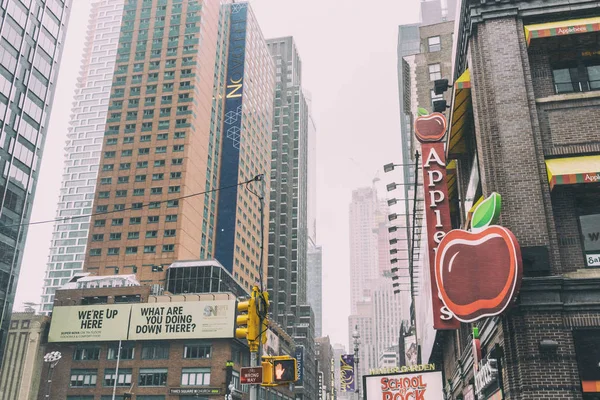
32	36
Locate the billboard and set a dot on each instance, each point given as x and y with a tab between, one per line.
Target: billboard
148	321
410	350
231	135
89	323
271	347
422	385
347	383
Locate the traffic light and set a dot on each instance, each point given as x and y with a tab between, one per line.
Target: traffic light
285	370
249	323
267	368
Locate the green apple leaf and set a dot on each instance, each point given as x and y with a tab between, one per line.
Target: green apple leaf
487	212
421	111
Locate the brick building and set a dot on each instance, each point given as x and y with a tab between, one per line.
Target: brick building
161	369
525	122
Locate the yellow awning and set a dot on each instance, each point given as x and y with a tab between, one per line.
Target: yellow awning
573	170
459	121
569	27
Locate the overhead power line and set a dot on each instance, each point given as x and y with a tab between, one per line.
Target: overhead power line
144	205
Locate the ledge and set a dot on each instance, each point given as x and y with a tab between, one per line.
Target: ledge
568	97
560	293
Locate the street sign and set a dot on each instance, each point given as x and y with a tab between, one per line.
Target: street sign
251	375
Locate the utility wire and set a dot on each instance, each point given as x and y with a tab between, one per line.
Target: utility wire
75	217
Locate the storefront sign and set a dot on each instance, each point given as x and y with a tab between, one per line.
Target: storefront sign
188	391
486	375
403	369
320	385
423	386
299	353
479	273
430	129
469	393
146	321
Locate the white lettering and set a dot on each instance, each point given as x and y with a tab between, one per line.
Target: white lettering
432	197
434	156
438	236
438	219
432	180
446	315
486	375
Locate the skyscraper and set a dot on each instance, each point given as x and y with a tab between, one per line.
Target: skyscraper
289	163
364	263
314	261
84	145
33	34
187	116
288	218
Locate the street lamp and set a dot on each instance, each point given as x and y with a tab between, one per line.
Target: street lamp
52	359
356	341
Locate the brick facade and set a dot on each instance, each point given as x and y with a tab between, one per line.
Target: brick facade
519	123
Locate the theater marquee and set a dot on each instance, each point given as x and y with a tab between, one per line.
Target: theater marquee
422	385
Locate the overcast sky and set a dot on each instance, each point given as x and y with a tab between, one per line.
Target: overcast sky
348	50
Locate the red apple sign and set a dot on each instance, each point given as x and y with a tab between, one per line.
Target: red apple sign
478	274
430	128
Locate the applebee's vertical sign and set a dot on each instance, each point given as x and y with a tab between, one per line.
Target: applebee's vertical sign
474	274
429	130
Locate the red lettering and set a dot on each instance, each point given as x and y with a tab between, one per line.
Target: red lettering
420	394
384	384
388	395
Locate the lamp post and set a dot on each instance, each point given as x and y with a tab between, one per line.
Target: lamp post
356	342
52	359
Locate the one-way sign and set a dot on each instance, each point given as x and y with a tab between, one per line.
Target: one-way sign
251	375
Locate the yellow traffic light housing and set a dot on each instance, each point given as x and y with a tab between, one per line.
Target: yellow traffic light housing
267	368
249	326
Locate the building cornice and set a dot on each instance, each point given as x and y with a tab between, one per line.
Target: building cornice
558	293
474	12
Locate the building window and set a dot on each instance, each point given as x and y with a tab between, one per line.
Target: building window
435	72
155	351
434	43
84	353
436	97
196	350
123	377
168	248
590	231
83	377
576	76
127	351
153	377
195	376
149	249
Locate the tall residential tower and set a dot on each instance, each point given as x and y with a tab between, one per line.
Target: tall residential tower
190	112
83	147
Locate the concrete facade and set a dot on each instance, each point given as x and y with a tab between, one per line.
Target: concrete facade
23	366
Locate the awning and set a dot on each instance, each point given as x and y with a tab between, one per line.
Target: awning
569	27
459	117
573	170
452	185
